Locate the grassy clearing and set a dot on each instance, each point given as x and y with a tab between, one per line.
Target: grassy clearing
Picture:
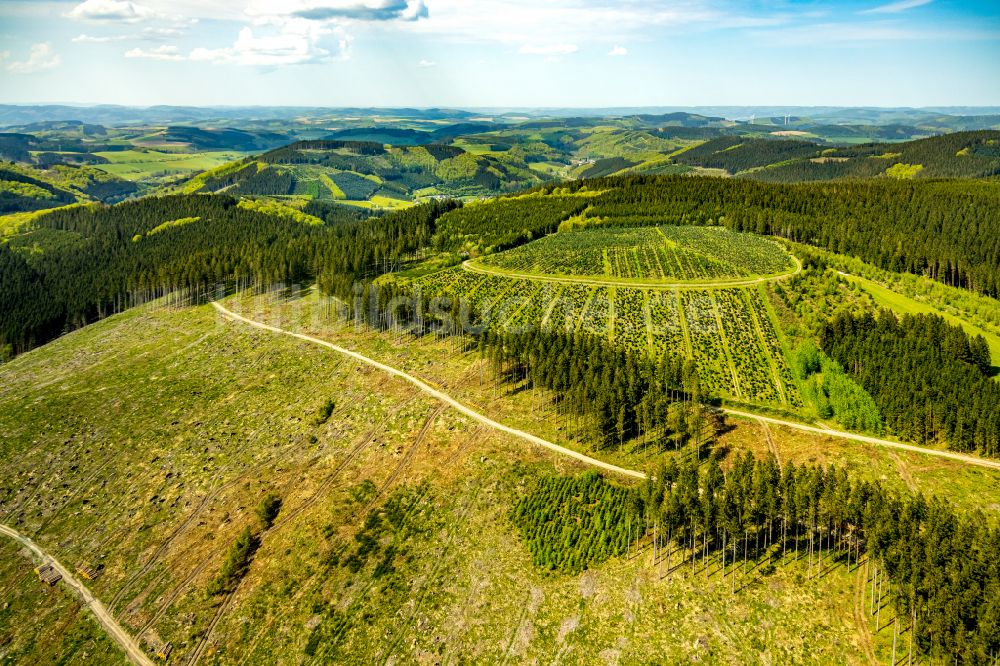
146	164
389	203
902	304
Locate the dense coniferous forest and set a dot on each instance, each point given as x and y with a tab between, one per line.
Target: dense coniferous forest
606	166
929	379
935	569
947	230
83	263
957	155
733	153
368	248
621	396
504	223
270	183
312	152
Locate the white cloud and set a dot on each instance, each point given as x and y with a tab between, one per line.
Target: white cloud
282	32
153	34
40	57
291	42
548	49
577	21
110	10
90	39
426	63
146	35
894	7
341	10
159	53
618	51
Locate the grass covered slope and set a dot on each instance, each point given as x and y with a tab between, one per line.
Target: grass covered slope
147	443
154	476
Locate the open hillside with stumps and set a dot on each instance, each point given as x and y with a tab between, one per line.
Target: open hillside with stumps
365	517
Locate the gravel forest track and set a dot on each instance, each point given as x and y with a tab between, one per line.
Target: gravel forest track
443	397
103	616
840	434
562	450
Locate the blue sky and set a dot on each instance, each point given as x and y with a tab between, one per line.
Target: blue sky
468	53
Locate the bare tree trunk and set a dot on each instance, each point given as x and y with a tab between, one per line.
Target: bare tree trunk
654	544
723	557
895	633
734	568
670	545
704	557
878	612
746	538
694	550
913	630
874	581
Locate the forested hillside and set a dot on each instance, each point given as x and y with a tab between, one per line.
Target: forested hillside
646	378
930	380
958	155
78	264
367	172
25	189
921	228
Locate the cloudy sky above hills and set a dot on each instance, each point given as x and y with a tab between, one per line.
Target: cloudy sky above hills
500	52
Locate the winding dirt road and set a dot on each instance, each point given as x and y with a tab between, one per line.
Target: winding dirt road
135	653
444	397
439	395
951	455
590	281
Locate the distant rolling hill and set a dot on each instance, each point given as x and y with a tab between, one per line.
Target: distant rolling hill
25	189
958	155
225	138
400	136
366	173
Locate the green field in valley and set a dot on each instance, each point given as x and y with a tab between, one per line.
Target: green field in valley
146	164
